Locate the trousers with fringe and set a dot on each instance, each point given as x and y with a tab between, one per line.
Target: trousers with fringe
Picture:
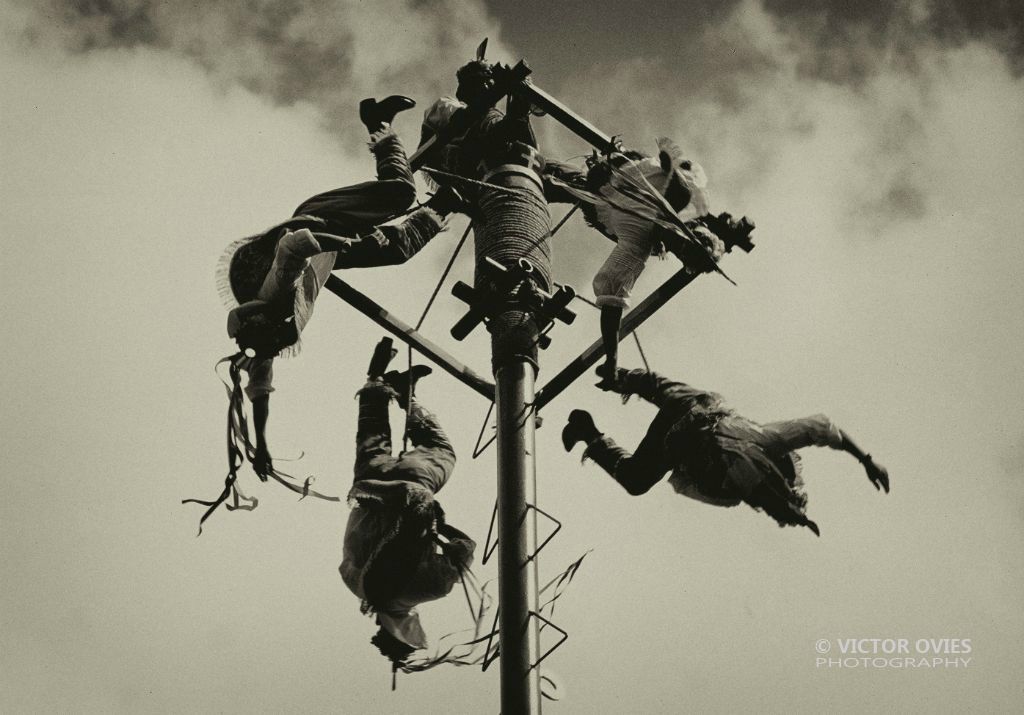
352	210
429	463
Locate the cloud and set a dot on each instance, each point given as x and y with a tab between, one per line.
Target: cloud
746	102
847	38
882	291
326	53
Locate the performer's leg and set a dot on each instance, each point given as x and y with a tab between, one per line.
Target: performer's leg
820	431
432	459
373	433
655	388
612	285
389	245
636	472
611	319
354	209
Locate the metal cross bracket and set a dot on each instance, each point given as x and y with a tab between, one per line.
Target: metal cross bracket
732	232
496	283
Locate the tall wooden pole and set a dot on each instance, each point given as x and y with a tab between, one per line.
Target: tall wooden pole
510	226
517	540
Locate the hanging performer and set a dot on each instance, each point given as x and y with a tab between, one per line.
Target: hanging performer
714	455
270	281
469	127
647	206
399	550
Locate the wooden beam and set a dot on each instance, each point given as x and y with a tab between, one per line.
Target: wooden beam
410	336
664	293
565	116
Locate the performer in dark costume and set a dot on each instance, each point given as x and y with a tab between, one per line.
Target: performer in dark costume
714	455
468	127
270	281
399	549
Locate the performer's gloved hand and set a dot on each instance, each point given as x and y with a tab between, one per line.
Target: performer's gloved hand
599	172
262	463
878	474
519	107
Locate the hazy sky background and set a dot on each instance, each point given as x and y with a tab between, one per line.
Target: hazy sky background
881	154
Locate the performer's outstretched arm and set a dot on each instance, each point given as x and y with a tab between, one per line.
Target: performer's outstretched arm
820	431
655	388
260	412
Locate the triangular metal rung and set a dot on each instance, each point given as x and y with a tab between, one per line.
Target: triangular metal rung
490	547
490	657
552	649
557	523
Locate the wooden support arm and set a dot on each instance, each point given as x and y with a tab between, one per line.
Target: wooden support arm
410	336
631	322
565	116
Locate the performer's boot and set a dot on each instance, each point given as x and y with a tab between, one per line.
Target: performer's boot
579	428
878	474
383	354
612	378
403	384
375	115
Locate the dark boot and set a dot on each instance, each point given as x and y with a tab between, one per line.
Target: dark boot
611	376
611	319
383	354
579	428
376	114
447	201
402	385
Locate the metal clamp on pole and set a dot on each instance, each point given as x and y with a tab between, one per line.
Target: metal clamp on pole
494	286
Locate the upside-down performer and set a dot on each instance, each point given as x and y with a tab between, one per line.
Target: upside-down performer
714	455
271	280
399	550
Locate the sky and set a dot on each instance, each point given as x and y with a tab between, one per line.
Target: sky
879	148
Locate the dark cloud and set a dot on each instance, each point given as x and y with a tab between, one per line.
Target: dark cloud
848	37
843	41
324	52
